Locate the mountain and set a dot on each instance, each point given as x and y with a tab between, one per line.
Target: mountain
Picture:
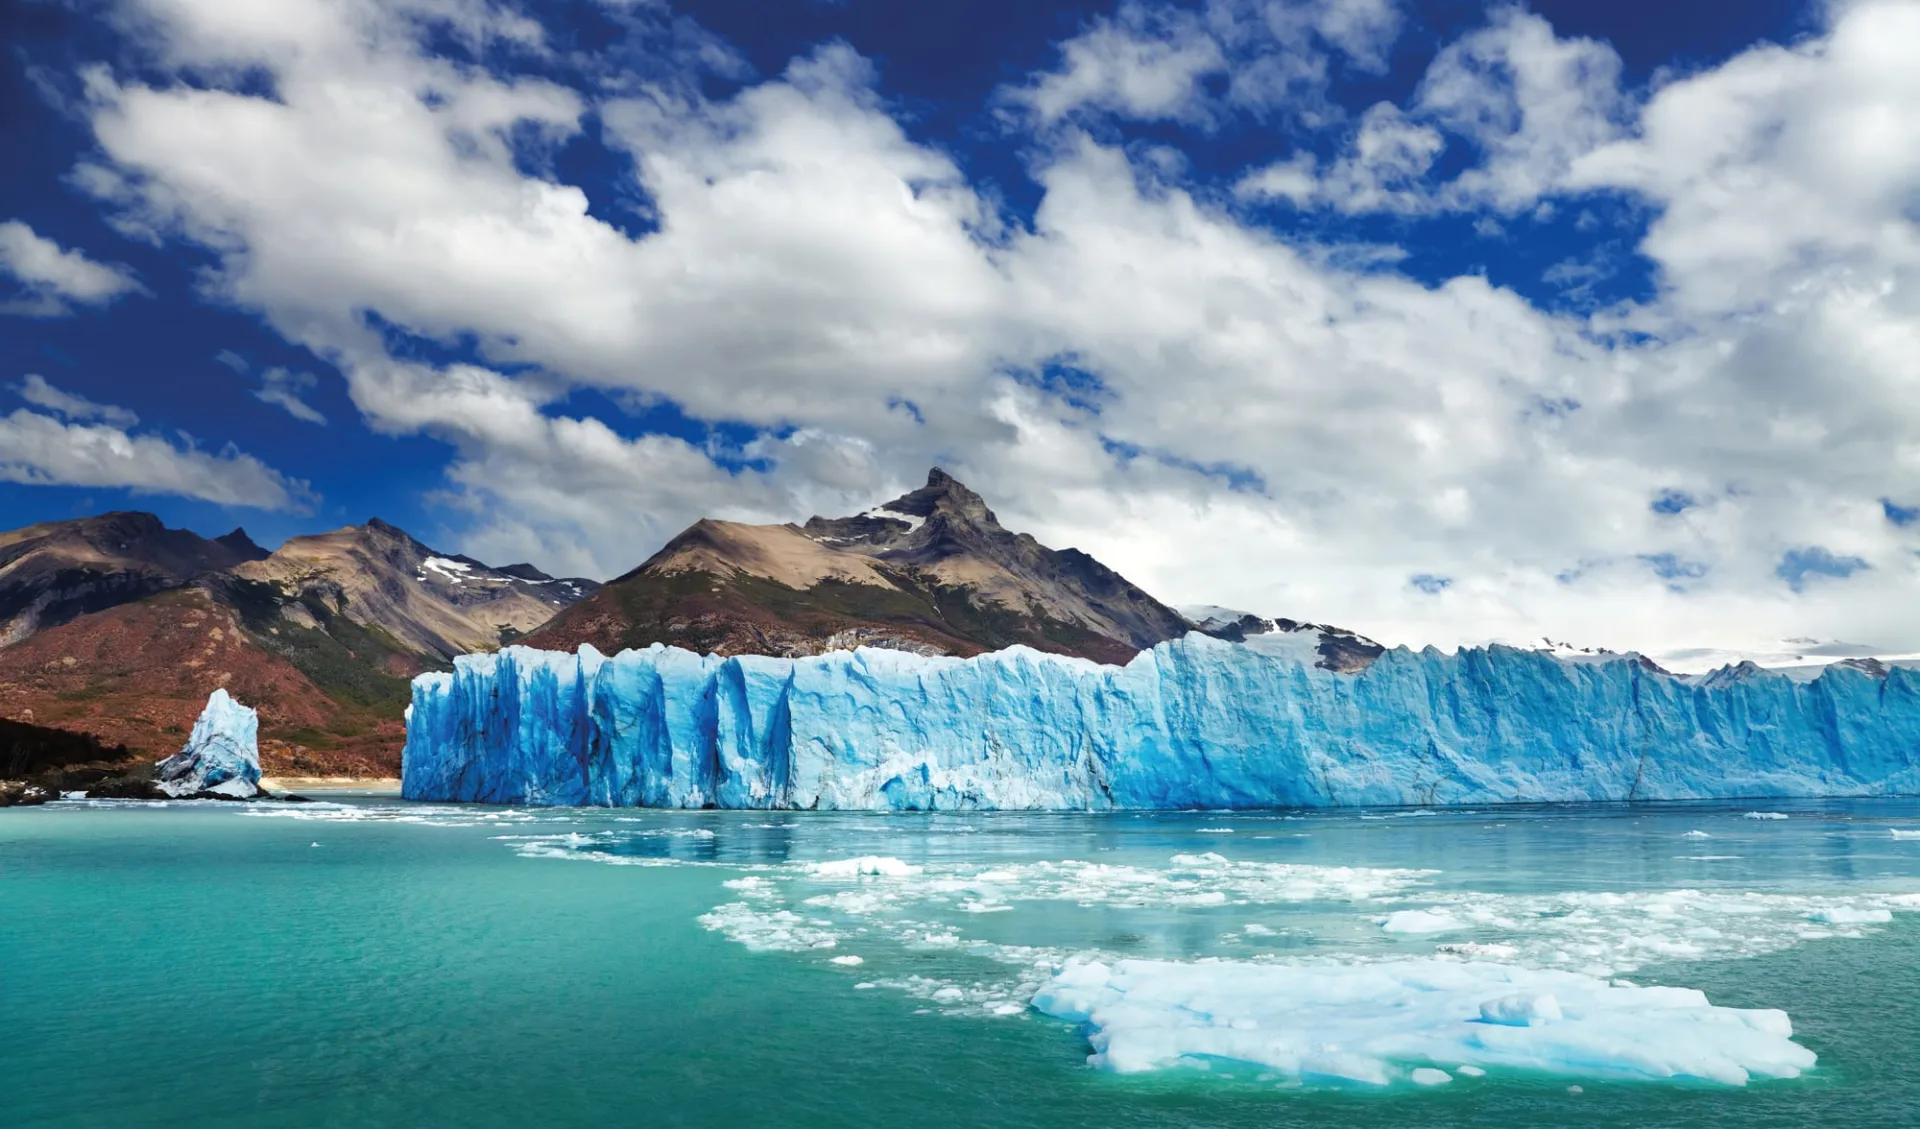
58	571
1314	644
121	628
932	572
428	603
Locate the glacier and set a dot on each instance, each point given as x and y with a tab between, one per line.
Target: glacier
1195	722
221	756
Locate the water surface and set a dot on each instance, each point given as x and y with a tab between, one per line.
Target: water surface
373	962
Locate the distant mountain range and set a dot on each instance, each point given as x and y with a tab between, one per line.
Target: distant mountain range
118	627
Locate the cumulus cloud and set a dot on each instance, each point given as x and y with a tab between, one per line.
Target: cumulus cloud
1259	417
49	278
42	450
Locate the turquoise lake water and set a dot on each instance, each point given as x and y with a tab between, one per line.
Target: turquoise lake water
374	963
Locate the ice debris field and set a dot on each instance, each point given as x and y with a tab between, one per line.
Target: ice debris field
1192	723
1239	961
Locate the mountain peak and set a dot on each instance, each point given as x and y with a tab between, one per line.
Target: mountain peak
943	493
242	546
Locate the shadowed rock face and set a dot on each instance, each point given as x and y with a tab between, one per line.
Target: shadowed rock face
55	572
931	572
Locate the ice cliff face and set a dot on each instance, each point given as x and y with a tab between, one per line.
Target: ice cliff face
1196	722
222	755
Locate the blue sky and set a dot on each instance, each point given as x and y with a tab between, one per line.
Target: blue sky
1447	321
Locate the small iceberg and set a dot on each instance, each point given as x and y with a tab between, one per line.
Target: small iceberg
221	757
1400	1022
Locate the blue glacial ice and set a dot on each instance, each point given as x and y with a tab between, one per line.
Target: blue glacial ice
222	755
1192	723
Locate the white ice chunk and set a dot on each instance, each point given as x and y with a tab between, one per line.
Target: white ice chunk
1428	1076
1372	1022
1421	921
865	865
1849	915
848	960
1764	815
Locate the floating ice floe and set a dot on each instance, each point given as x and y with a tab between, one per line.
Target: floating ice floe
1377	1024
1764	815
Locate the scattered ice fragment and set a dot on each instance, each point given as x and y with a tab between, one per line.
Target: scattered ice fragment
1849	915
1428	1076
1470	1071
1575	1090
1215	831
1696	835
865	865
1420	921
864	985
1899	834
1255	929
848	960
1764	815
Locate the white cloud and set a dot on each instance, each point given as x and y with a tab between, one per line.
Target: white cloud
283	389
1382	170
1146	63
1531	102
41	450
1279	424
35	390
51	278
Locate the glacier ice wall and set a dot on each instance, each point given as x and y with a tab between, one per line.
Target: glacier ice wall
221	755
1196	722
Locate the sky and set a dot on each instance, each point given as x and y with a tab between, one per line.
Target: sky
1444	322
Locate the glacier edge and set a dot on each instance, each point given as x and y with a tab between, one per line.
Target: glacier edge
1191	723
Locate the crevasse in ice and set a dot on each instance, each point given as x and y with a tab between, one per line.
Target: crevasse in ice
221	755
1195	722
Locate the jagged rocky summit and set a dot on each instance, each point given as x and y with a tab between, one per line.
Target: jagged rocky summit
932	572
220	758
1196	722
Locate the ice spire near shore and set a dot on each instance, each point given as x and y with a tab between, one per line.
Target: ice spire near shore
221	756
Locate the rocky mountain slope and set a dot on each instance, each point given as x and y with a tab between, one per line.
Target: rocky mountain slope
123	628
57	571
932	572
430	604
